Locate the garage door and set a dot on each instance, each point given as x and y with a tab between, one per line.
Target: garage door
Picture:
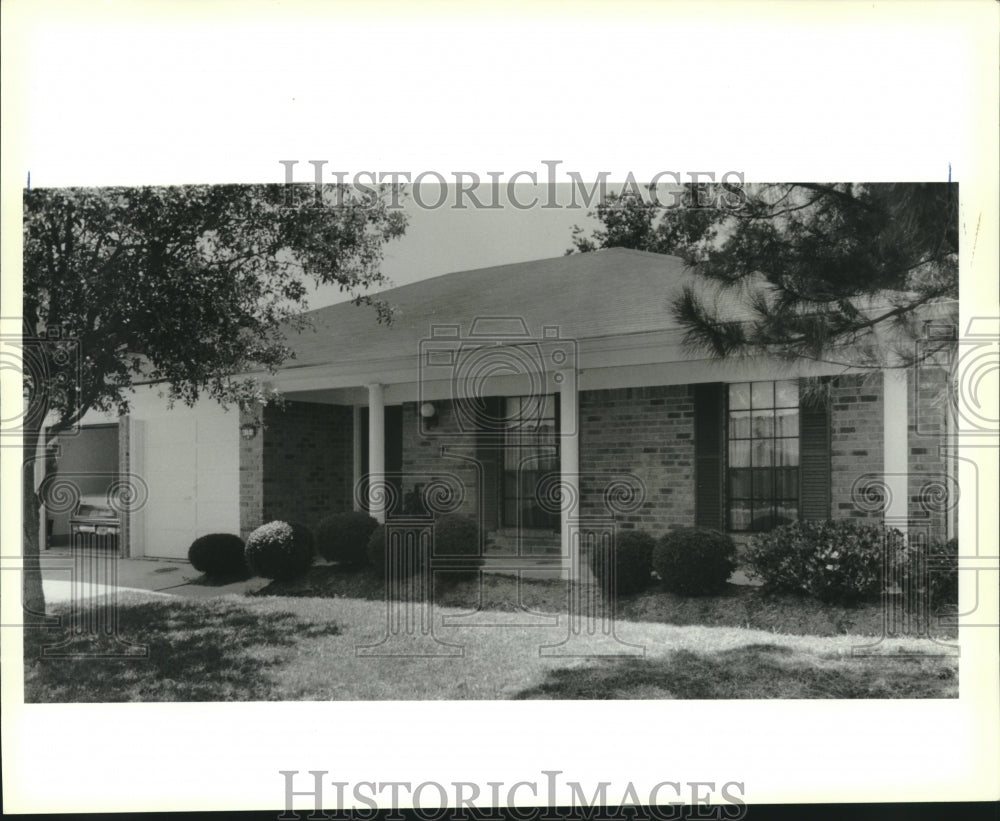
190	466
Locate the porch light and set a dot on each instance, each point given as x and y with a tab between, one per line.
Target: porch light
429	414
248	430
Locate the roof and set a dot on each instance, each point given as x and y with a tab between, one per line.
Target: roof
614	291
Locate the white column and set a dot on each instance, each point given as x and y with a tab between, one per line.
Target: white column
376	449
137	467
895	446
358	469
569	463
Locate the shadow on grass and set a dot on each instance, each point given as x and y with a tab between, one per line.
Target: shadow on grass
756	671
741	606
205	651
492	592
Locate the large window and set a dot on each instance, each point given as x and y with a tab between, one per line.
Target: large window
763	467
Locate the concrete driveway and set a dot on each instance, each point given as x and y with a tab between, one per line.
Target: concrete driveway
86	574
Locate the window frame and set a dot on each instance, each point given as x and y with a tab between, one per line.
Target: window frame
775	503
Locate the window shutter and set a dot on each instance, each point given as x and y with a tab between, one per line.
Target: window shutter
489	452
814	460
709	440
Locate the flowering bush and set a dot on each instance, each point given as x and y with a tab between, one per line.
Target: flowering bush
693	561
836	560
632	563
931	571
280	550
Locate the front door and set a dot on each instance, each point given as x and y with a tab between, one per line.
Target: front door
530	452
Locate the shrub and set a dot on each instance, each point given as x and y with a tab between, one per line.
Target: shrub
218	554
940	563
633	563
836	560
376	550
943	579
280	550
343	537
694	562
455	537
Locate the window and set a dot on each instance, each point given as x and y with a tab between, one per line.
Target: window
531	452
763	468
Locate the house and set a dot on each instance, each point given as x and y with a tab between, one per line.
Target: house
543	398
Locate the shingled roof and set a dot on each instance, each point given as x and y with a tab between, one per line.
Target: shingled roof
609	292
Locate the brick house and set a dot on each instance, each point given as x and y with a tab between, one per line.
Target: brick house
540	398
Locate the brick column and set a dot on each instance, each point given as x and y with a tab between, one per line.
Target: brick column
376	451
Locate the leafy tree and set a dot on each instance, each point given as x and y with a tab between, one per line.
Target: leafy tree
184	286
838	272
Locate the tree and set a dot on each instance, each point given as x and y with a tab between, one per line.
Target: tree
184	286
838	272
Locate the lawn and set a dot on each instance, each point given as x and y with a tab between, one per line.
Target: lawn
299	641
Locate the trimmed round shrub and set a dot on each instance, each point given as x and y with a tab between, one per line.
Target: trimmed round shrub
376	549
343	537
693	561
280	550
377	554
218	554
633	563
837	560
455	538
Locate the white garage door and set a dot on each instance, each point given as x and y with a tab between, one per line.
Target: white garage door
190	466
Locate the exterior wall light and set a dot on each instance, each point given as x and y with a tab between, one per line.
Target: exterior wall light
429	414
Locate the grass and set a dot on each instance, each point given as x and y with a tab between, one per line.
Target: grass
300	641
742	606
753	671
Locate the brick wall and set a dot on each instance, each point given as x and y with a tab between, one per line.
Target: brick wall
648	432
300	466
251	480
931	489
855	439
423	454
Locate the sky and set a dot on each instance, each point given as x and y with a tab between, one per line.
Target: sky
443	240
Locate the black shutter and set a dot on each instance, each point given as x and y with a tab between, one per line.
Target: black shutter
489	452
814	459
709	443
